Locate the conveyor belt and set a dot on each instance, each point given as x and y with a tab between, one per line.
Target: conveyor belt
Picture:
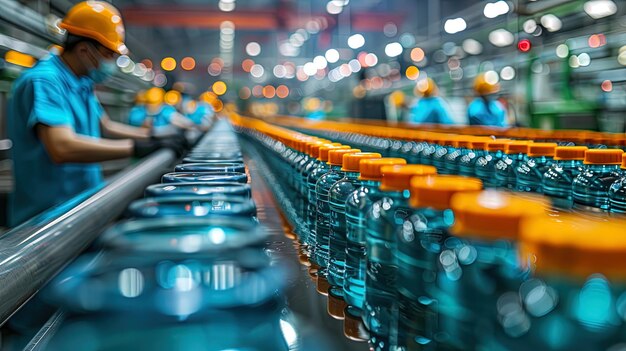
302	296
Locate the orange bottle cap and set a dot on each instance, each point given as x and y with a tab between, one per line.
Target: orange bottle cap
497	145
351	162
436	191
370	169
324	150
623	161
574	246
542	149
335	157
603	157
570	153
315	149
398	177
517	147
493	215
447	139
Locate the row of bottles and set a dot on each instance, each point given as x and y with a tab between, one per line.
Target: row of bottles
188	269
430	261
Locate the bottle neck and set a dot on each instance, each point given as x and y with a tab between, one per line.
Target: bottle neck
334	168
371	184
353	176
606	168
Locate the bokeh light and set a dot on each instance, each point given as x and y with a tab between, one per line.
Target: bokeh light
168	64
188	63
219	87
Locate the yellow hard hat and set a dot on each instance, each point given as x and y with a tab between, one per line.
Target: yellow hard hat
426	87
397	98
97	20
486	85
154	96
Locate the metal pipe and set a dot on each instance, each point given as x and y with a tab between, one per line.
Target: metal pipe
28	20
38	250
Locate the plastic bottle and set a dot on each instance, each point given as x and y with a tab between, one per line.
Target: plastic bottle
380	308
617	192
574	301
420	239
357	204
322	223
427	153
485	166
506	168
530	172
591	186
447	145
462	146
478	264
339	193
558	179
466	163
321	169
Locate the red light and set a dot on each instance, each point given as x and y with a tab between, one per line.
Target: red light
524	45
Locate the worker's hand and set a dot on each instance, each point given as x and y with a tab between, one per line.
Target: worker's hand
143	148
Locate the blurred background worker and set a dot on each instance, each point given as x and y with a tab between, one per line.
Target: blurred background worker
430	108
156	113
486	109
199	112
56	121
137	113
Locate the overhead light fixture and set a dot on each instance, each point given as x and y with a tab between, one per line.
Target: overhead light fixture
551	22
356	41
226	5
393	49
501	38
332	55
333	8
253	48
597	9
495	9
472	46
454	25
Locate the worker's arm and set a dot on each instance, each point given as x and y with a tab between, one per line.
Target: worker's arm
118	130
181	121
65	146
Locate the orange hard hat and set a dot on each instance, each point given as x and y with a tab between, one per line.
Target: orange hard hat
97	20
426	87
486	83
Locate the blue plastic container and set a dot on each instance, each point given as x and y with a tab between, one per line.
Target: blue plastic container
211	167
485	166
198	189
530	173
506	168
558	179
591	187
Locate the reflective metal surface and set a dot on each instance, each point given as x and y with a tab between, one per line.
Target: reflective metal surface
36	251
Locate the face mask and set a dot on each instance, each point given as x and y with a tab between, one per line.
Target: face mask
104	72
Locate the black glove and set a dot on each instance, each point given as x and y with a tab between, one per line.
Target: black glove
143	148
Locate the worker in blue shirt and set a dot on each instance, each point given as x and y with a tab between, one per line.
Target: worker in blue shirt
156	113
486	110
55	120
198	112
430	108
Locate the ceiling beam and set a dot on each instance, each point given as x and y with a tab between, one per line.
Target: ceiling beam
203	17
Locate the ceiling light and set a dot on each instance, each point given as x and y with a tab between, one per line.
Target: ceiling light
356	41
393	49
332	55
600	8
455	25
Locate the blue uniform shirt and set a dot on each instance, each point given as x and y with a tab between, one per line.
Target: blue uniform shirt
487	113
198	115
137	115
430	110
52	95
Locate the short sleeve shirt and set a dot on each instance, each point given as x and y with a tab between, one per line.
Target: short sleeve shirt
49	94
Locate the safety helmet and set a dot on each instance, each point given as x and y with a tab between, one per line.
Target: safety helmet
397	98
140	98
97	20
426	87
486	83
154	96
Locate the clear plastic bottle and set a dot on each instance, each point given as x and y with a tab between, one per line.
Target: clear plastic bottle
530	172
617	192
339	193
420	239
485	166
427	153
320	168
357	205
506	168
462	147
591	186
574	300
447	145
478	264
382	219
558	179
466	163
322	224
